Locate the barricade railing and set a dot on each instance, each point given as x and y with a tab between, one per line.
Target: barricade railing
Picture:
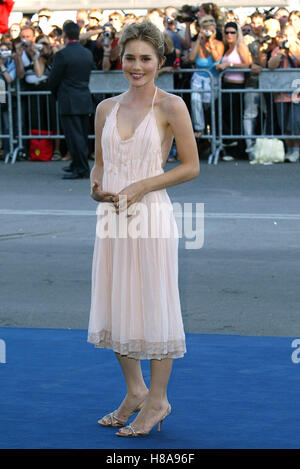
34	109
237	122
38	110
6	120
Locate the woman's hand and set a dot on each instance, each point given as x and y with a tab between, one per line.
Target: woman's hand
222	66
134	194
102	196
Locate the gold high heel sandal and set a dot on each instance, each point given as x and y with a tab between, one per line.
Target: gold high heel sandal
110	420
131	431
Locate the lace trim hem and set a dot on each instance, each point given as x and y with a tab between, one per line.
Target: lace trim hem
139	349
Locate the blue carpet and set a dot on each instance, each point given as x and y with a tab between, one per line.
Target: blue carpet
228	392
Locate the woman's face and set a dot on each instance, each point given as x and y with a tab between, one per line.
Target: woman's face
14	31
230	35
139	62
3	48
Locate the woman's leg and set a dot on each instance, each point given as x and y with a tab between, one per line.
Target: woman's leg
157	403
137	390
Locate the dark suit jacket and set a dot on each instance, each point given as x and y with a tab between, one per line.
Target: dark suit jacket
69	79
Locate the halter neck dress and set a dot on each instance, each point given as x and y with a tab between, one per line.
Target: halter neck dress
135	305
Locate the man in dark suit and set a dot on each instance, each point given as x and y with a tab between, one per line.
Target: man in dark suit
69	82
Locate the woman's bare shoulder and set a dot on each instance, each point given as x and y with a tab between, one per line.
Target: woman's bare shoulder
169	102
105	107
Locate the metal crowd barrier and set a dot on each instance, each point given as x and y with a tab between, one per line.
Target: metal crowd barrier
270	83
104	84
6	118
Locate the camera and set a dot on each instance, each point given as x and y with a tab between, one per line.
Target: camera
187	13
284	44
5	53
169	20
207	32
106	40
38	46
266	39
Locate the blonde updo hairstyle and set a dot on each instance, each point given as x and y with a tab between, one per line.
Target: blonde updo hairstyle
148	32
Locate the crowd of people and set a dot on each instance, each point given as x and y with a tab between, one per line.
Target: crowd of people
202	37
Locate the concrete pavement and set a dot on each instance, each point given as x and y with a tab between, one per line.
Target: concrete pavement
244	280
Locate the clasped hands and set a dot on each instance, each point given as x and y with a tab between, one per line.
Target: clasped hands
134	193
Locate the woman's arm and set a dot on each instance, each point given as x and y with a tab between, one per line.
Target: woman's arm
39	65
83	38
181	126
216	48
96	175
275	60
245	56
4	71
106	62
295	51
194	50
17	56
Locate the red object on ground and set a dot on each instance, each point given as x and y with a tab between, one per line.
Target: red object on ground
40	149
5	10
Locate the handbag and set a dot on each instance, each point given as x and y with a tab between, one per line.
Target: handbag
268	150
40	149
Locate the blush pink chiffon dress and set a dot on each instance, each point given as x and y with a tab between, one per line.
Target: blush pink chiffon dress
135	304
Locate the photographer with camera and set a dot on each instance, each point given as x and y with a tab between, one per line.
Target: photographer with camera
34	58
26	53
206	52
287	55
111	58
7	75
7	64
170	29
268	41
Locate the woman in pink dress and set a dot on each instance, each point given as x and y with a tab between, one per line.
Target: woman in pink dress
135	304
